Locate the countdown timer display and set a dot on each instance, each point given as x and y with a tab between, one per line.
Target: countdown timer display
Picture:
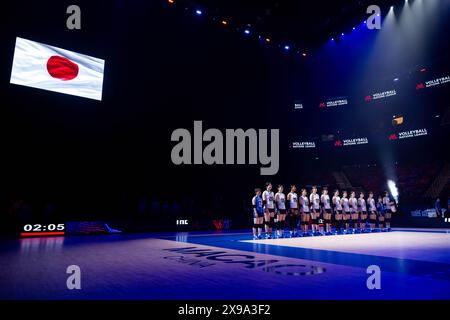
48	229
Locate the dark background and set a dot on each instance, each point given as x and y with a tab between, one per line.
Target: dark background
71	158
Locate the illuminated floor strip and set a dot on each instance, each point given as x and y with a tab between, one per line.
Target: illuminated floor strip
41	234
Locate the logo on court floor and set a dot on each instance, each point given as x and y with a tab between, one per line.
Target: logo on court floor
248	261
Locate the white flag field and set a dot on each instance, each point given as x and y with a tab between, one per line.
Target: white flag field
50	68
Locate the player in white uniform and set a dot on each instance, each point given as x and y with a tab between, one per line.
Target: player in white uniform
280	201
372	211
326	209
292	199
269	209
314	199
346	211
304	207
362	208
389	208
337	210
353	210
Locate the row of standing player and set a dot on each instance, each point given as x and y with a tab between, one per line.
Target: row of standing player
270	210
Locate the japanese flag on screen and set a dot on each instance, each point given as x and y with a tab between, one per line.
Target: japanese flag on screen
46	67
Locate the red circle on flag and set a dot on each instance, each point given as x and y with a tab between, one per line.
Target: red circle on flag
62	68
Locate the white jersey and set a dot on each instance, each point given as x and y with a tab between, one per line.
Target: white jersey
337	203
305	203
371	203
325	199
281	200
345	205
293	200
315	201
362	204
269	198
353	204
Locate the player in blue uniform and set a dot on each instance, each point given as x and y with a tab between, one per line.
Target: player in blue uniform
380	208
258	214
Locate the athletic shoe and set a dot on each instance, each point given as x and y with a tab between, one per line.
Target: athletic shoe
255	237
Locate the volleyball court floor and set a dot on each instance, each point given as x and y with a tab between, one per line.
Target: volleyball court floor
412	264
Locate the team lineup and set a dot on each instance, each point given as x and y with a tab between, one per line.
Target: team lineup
318	214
